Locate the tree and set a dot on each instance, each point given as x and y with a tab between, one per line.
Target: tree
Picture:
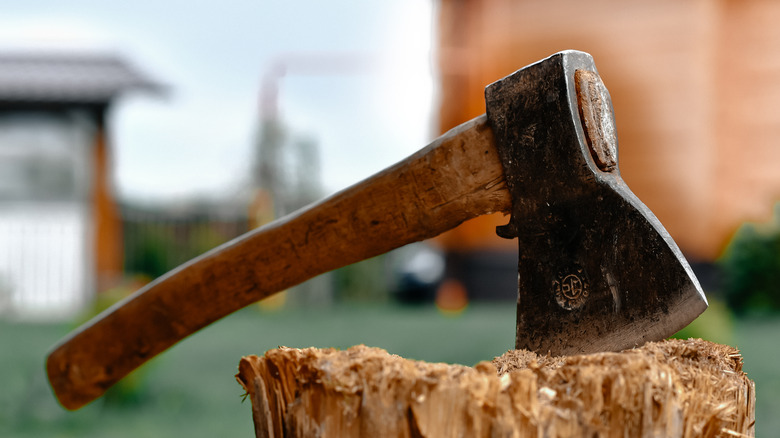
751	267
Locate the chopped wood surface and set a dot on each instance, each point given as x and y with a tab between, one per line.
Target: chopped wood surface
673	388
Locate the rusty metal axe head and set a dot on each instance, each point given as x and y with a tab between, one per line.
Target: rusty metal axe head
597	271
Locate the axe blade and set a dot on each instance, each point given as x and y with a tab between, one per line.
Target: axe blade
597	271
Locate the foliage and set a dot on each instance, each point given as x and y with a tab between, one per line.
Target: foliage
363	281
751	268
155	247
147	253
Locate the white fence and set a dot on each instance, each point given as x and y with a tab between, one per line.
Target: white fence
45	260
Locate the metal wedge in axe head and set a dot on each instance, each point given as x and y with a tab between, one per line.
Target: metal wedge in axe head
597	271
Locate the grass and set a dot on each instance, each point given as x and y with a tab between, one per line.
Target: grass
757	338
190	390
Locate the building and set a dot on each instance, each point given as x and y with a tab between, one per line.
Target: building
60	230
694	86
697	104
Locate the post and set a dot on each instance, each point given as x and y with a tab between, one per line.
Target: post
106	217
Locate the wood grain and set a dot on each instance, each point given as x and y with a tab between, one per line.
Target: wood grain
673	388
455	178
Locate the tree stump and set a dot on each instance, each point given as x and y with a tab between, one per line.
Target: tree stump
673	388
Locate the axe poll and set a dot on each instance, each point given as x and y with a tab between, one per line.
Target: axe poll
596	272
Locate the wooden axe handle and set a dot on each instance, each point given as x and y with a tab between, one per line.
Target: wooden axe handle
455	178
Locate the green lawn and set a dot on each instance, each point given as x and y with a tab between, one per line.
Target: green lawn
759	341
190	390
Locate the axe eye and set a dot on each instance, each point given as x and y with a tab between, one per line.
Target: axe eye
596	115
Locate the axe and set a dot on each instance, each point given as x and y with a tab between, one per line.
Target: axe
596	271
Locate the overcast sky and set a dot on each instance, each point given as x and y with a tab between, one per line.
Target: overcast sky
197	140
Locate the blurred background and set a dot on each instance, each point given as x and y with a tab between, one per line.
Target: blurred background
134	137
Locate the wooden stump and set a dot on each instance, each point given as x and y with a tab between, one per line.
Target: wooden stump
673	388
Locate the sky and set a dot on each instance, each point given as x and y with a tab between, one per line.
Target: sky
196	139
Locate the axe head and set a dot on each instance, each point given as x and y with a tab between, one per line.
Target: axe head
597	271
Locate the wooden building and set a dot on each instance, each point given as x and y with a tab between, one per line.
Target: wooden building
60	231
695	86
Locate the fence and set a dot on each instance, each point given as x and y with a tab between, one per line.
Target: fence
45	260
46	251
156	241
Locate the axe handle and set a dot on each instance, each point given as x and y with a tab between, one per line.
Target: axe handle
455	178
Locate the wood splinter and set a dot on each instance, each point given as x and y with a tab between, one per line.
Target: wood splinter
673	388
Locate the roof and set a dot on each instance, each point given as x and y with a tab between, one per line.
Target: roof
67	78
